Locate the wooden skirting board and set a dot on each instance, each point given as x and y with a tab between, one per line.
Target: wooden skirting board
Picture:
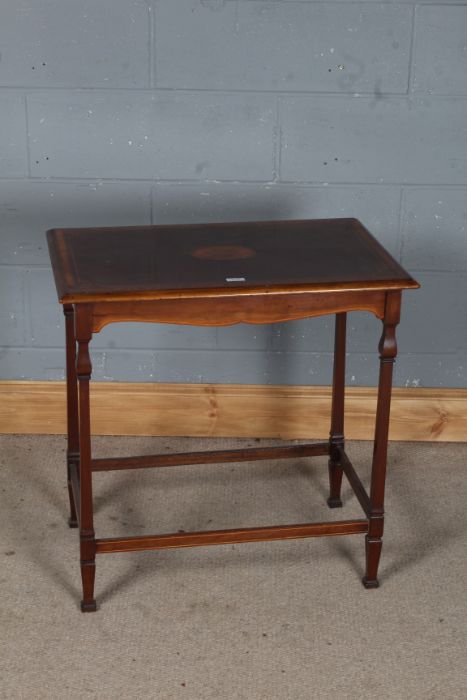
224	410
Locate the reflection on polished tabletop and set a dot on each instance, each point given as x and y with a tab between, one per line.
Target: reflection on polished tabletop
152	260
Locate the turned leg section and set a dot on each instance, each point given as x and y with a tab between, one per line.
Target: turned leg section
387	354
336	438
87	536
72	406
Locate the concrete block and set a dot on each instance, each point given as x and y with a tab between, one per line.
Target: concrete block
379	139
447	370
363	333
13	149
52	43
328	47
154	336
317	334
134	366
362	369
46	320
433	317
295	368
411	370
145	136
14	317
305	335
187	366
440	50
244	336
434	229
40	363
28	209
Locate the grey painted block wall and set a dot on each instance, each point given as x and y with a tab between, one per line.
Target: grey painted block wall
161	111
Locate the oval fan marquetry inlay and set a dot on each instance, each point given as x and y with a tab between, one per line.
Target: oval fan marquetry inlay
223	252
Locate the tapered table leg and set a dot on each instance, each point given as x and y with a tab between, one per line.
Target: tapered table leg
336	438
72	406
387	353
86	533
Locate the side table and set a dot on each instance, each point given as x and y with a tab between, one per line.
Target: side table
217	275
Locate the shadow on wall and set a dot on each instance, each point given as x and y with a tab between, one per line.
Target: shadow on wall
216	202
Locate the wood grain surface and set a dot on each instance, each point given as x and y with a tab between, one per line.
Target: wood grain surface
223	410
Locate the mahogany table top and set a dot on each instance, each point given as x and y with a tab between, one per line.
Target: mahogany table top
156	262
